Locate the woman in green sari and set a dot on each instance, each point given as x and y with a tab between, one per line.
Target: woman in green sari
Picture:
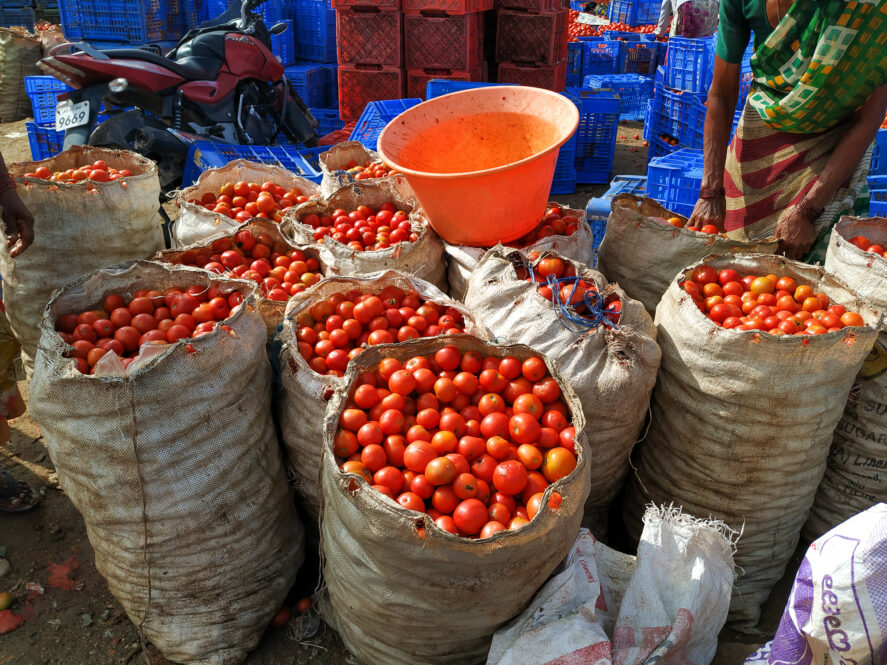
798	159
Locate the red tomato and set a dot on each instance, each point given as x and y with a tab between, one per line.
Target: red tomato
470	516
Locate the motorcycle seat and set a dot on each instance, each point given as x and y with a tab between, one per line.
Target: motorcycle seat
190	68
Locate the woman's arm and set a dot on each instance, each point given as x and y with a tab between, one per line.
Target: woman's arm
720	108
17	219
796	229
664	19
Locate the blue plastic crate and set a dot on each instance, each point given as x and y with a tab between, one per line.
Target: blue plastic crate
574	64
690	63
309	80
597	211
17	16
564	181
596	135
600	56
315	30
878	193
205	155
274	11
126	21
329	120
879	156
439	87
44	92
213	8
639	58
634	92
45	142
634	12
680	115
674	180
330	85
375	116
283	46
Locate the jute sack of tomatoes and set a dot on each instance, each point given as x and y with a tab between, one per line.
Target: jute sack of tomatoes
305	392
19	53
176	471
742	421
644	254
401	589
422	256
611	366
462	260
78	228
196	222
271	302
352	161
854	477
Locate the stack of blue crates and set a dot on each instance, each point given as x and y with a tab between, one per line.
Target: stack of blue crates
634	12
596	134
634	92
16	13
205	155
878	176
674	180
43	92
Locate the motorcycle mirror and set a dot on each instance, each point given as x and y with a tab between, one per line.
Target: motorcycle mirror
278	28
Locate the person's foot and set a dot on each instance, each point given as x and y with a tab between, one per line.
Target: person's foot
15	496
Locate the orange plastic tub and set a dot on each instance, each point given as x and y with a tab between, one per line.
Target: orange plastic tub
481	161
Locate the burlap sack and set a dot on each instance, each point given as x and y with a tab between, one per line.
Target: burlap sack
644	255
195	223
305	392
423	258
612	370
334	165
78	228
19	53
271	310
401	590
462	259
854	477
49	35
176	471
742	422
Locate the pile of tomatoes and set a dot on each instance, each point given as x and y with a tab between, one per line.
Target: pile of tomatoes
244	201
376	169
624	27
149	318
777	305
363	229
678	223
333	331
280	271
576	29
866	246
555	222
471	441
570	291
98	171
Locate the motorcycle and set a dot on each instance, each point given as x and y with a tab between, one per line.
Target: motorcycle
221	83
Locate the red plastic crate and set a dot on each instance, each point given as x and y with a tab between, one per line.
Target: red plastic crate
530	5
451	7
368	36
550	77
418	78
443	42
536	38
378	4
361	84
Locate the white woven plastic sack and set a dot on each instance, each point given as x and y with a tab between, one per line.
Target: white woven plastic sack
196	223
644	255
462	259
271	310
855	475
423	258
78	228
334	166
305	393
742	422
836	611
403	591
176	471
612	370
605	606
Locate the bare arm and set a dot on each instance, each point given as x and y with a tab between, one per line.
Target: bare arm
17	219
664	19
720	108
796	227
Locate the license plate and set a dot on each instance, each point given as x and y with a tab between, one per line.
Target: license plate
71	115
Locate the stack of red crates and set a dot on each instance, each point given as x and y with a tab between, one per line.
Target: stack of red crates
443	39
531	43
369	39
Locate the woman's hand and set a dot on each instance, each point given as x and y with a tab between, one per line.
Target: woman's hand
18	222
709	211
795	231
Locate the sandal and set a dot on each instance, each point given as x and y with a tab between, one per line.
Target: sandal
16	497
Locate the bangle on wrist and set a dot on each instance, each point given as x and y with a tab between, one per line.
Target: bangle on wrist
711	192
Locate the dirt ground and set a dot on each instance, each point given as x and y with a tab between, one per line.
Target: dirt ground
71	617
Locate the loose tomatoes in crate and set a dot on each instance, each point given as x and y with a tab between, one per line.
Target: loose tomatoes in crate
97	171
473	441
776	304
328	325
